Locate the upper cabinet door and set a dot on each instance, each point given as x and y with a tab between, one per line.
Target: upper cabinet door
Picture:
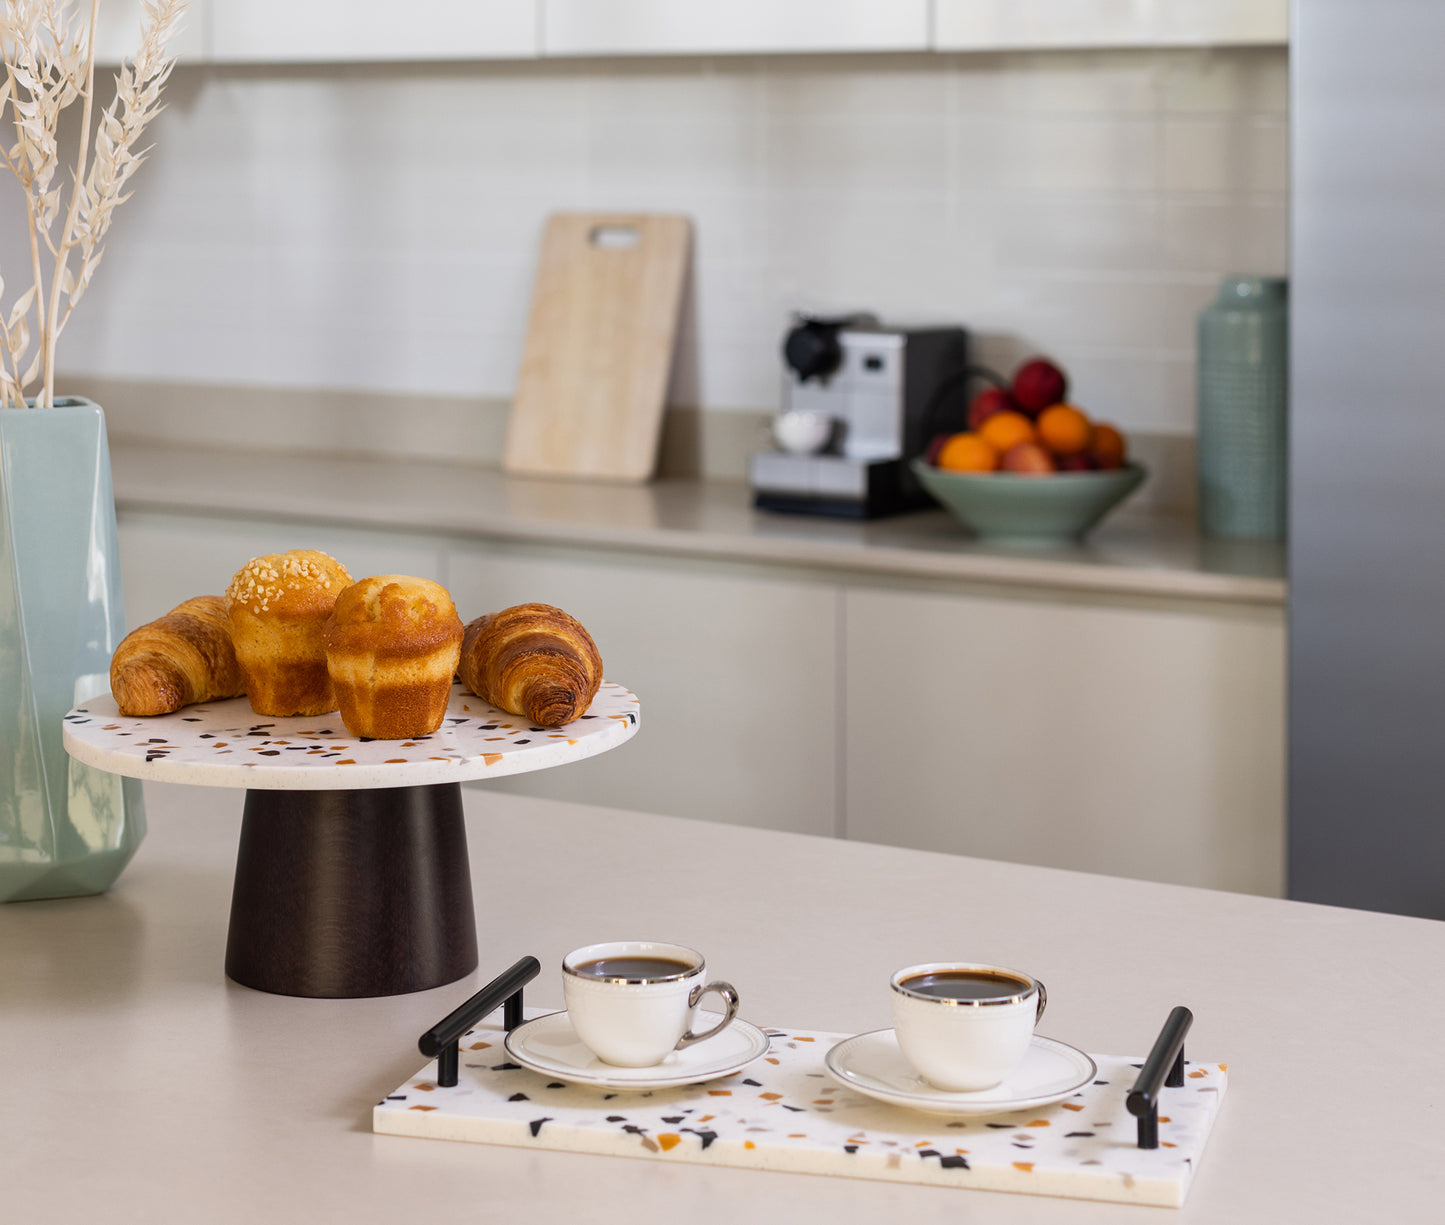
315	31
117	32
985	25
736	27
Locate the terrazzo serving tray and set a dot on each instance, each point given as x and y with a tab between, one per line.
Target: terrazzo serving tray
784	1112
226	744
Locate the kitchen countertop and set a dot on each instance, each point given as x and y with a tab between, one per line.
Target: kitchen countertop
141	1085
1130	553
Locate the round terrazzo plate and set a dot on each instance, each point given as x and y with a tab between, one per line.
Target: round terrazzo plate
226	744
549	1045
873	1065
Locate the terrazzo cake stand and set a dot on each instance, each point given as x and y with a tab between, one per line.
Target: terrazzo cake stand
352	876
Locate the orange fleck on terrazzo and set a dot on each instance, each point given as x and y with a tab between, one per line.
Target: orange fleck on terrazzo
1197	1075
421	1107
749	1144
1026	1166
1037	1123
669	1141
1072	1106
346	761
719	1093
491	758
770	1097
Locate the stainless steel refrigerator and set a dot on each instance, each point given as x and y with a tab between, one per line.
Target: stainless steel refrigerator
1367	455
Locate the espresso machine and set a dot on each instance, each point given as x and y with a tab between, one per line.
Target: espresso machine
860	400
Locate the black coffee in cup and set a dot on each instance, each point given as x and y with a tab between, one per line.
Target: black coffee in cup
965	985
633	968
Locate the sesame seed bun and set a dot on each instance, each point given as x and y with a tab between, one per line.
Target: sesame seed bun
277	606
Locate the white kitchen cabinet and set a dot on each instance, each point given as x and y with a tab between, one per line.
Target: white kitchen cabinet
704	27
117	31
1132	741
1134	736
992	25
737	672
165	559
318	31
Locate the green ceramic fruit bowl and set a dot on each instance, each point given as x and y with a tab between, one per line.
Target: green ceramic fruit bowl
1056	508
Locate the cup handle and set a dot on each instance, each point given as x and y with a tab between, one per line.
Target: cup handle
1043	1002
730	997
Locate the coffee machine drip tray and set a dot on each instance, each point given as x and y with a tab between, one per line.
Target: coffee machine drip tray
831	485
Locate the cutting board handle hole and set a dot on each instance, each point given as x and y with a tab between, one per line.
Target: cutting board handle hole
614	237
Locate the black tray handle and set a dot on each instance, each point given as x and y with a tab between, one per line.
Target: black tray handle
440	1041
1166	1057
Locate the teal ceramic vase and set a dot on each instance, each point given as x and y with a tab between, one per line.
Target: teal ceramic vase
65	828
1243	404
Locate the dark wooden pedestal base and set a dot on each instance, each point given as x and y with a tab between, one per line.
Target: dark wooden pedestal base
341	894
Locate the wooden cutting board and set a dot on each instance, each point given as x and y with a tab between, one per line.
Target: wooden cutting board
599	346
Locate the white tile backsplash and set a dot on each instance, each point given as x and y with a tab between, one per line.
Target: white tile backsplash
375	227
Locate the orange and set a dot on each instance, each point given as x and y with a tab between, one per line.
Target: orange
1064	430
1004	431
967	453
1107	447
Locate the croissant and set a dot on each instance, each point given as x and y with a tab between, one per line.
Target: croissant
177	660
532	660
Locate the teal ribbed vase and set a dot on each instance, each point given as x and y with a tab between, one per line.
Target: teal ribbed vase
65	828
1243	409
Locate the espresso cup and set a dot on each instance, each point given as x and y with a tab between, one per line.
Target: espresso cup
965	1026
633	1002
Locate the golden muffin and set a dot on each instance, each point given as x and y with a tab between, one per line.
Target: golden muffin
392	644
277	606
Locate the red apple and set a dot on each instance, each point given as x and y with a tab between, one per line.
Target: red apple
1027	459
1077	462
983	406
930	455
1037	384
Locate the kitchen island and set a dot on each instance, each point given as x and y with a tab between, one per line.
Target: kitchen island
141	1085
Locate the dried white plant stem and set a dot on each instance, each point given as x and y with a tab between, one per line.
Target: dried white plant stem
49	55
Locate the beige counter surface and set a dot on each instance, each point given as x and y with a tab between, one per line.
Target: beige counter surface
1135	554
139	1085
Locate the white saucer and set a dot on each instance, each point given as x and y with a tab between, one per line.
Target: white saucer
550	1045
873	1065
